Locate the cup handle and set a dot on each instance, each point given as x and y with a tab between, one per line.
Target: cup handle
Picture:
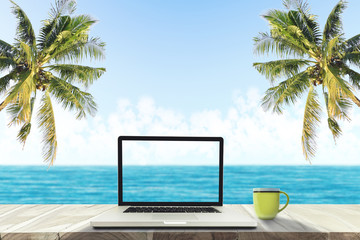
287	202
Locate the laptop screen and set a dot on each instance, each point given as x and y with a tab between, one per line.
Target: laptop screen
170	170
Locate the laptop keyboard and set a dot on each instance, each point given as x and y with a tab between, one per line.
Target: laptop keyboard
171	210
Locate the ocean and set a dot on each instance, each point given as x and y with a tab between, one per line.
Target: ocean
98	184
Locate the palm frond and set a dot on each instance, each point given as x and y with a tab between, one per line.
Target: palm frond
311	122
307	24
21	92
72	98
297	36
24	133
57	22
6	50
80	23
25	31
281	68
62	7
93	49
3	105
332	123
334	128
354	77
76	73
302	18
286	92
28	55
276	18
339	91
352	58
20	107
330	47
5	81
283	27
20	113
46	122
299	5
338	85
75	30
51	30
333	26
265	44
26	128
6	63
17	116
352	44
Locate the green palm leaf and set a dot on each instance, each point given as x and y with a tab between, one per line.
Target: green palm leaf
6	50
338	87
25	30
26	128
286	92
283	28
352	44
332	123
76	73
354	77
329	48
281	68
333	26
46	122
265	44
51	30
352	58
58	20
311	122
72	98
6	63
93	48
21	92
300	5
62	7
28	55
5	82
302	18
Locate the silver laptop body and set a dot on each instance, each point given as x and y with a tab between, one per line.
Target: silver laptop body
171	182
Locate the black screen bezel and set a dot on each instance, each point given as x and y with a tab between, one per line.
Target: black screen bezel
220	140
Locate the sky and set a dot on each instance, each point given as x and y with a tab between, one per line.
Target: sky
180	67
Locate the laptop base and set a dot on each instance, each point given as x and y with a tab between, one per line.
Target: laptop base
229	217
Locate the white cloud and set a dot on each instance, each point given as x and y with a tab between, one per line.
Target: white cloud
251	135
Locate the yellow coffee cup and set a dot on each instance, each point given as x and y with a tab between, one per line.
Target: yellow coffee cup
267	202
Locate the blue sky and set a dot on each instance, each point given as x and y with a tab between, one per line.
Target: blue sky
180	68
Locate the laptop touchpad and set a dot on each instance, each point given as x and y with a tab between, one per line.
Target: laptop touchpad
176	216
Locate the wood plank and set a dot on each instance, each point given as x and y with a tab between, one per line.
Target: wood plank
8	208
23	214
282	236
31	236
204	235
344	236
325	218
65	219
104	235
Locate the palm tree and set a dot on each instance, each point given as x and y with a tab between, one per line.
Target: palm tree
37	68
311	61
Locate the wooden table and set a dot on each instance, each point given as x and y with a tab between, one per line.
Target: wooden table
72	222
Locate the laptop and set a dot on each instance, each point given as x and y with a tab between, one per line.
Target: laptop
172	181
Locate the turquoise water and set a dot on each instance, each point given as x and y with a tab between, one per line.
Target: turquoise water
98	185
